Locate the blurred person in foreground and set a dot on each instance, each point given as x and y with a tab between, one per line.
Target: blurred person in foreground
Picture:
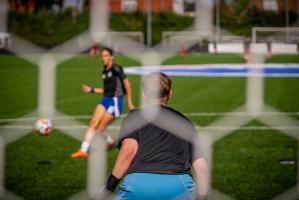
158	148
269	47
246	52
116	85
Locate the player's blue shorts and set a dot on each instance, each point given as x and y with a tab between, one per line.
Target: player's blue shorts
113	105
149	186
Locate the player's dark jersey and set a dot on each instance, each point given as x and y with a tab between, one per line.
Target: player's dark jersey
159	150
113	81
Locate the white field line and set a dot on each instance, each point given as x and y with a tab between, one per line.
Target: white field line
201	114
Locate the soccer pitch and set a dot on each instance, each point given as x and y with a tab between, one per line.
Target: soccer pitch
249	163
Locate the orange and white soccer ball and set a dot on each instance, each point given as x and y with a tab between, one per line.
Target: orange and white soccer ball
43	126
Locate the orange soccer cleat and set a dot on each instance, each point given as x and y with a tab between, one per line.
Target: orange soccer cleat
79	154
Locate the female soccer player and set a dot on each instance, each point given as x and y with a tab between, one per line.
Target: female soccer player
116	85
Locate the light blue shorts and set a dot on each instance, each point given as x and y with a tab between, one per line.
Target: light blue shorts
149	186
113	105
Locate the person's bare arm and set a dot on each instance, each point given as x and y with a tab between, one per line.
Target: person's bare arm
128	89
123	161
88	89
201	170
125	157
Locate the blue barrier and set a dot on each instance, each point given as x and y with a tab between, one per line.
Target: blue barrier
226	70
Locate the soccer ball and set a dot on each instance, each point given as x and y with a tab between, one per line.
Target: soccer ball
43	126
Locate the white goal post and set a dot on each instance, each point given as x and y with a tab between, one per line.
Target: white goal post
4	40
277	34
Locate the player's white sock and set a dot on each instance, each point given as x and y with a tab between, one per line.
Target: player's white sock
84	146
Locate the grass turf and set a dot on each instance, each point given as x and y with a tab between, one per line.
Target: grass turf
250	166
36	167
283	93
212	95
18	86
284	59
276	88
204	58
34	175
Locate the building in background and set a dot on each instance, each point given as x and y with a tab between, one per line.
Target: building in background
276	5
31	6
156	5
178	7
129	5
117	6
75	4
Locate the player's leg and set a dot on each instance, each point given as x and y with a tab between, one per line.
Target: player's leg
113	110
97	116
105	121
90	132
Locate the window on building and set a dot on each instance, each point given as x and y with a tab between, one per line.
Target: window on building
129	5
270	5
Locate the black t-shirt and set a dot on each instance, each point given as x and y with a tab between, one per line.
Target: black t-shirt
113	81
164	144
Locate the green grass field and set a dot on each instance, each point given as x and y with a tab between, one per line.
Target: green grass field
246	163
18	87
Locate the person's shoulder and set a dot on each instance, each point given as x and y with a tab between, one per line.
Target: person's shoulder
133	118
177	113
116	66
172	110
132	113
